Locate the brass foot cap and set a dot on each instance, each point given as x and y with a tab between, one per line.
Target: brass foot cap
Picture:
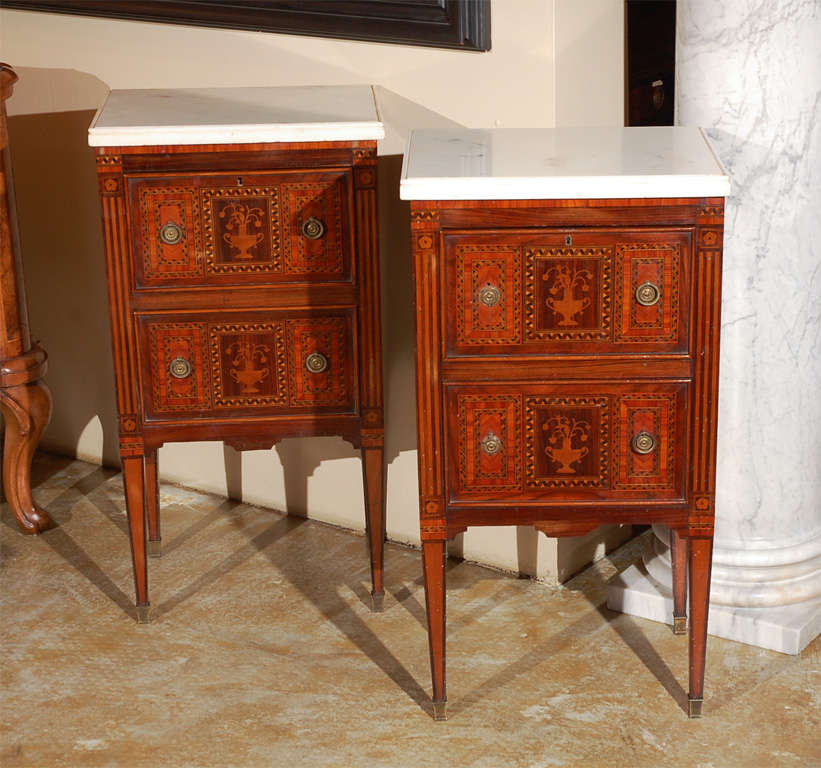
440	710
155	548
679	625
378	602
695	707
142	614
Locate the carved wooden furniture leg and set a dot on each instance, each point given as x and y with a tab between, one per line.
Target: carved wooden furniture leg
678	559
24	399
26	409
433	563
152	503
133	477
373	468
701	556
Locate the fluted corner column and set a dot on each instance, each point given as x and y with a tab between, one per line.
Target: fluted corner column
750	74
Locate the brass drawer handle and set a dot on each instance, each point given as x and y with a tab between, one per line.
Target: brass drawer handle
648	294
489	295
171	233
316	362
180	368
491	444
313	228
644	442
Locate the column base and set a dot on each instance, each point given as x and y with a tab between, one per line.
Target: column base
786	628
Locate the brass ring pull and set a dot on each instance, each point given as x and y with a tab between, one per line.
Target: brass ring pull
313	228
643	443
316	362
180	368
171	233
491	444
648	294
489	295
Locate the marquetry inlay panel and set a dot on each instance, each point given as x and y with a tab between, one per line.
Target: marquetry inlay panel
178	208
300	202
488	294
567	442
229	228
653	414
179	341
248	364
329	337
488	440
242	229
568	293
647	264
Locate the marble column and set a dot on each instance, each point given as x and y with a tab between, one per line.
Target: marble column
750	74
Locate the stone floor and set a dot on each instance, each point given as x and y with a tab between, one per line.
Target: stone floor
263	652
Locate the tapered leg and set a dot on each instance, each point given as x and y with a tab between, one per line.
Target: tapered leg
701	558
678	559
433	563
152	504
26	409
373	467
133	474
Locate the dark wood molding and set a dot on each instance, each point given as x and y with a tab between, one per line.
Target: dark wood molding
460	24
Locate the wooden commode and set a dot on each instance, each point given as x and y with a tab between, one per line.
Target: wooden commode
241	246
567	326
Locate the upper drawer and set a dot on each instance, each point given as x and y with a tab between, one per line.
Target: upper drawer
230	228
567	292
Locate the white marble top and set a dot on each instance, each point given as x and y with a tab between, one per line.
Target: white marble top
236	115
552	163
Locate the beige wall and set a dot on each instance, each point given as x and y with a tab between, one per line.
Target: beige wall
552	61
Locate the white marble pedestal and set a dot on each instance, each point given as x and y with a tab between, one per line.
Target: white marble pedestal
784	628
750	74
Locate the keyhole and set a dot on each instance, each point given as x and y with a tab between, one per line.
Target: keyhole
239	181
568	240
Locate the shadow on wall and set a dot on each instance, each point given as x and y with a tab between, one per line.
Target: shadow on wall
61	238
301	457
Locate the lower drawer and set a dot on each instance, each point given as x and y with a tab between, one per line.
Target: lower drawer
225	364
566	441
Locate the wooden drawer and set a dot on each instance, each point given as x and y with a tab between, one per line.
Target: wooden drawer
590	441
234	228
224	364
574	291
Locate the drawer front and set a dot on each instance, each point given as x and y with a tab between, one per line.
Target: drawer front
225	364
567	292
230	228
570	441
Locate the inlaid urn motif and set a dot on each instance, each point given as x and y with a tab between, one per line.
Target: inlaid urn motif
564	436
568	291
250	363
242	228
